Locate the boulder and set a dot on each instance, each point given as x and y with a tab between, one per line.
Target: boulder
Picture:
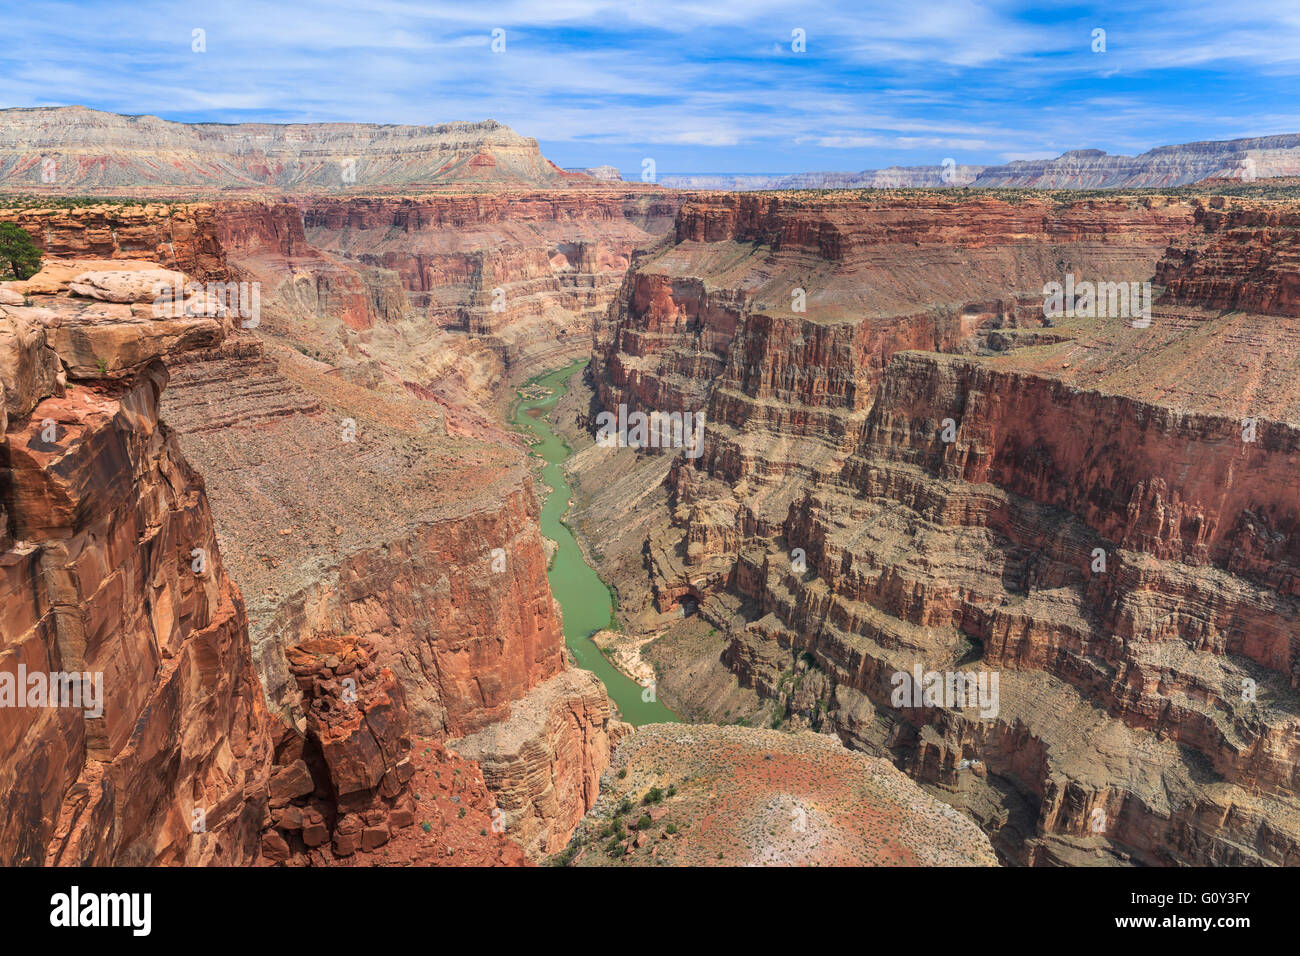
28	366
123	286
108	341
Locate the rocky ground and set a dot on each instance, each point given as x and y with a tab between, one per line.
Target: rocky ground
455	819
681	795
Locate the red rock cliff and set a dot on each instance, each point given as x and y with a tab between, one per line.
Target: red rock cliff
111	568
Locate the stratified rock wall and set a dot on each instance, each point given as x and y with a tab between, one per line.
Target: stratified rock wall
921	468
466	641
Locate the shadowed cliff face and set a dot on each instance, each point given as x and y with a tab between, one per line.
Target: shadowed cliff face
922	469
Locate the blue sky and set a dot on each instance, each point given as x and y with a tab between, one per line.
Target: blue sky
703	86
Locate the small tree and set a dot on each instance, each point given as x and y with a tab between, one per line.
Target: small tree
18	252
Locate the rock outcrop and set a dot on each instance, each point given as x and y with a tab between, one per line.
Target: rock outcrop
180	236
544	762
341	785
112	574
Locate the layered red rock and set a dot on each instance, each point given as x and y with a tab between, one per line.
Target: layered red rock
545	761
180	236
341	785
1244	257
860	509
451	296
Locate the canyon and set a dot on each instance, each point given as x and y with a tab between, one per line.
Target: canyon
305	549
367	554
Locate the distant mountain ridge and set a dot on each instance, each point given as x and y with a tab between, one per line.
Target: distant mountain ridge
1260	157
76	149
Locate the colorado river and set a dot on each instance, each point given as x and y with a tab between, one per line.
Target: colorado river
582	595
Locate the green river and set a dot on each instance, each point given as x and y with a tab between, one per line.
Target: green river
582	595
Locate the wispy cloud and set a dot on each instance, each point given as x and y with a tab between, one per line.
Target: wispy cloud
697	85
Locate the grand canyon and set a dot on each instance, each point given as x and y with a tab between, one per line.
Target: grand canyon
380	495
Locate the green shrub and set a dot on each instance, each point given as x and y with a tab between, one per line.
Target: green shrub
17	252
